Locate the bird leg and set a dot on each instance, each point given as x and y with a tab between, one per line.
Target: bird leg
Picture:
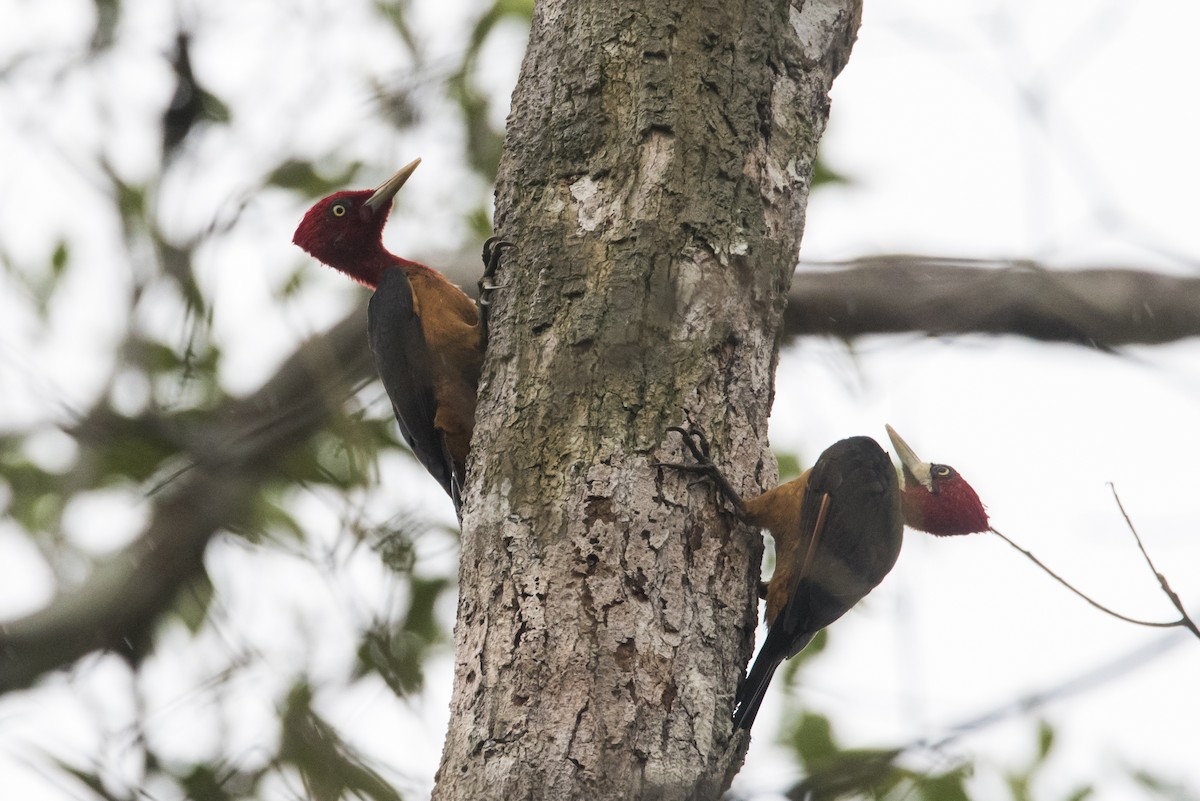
493	249
697	443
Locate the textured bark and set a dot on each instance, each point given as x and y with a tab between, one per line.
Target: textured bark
655	175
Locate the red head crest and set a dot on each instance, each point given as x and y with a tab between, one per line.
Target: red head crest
935	498
345	230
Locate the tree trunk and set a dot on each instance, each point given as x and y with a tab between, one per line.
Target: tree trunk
655	175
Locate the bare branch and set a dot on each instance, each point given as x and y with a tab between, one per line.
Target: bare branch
1185	621
1065	583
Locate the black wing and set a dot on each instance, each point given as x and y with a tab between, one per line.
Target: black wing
404	363
860	532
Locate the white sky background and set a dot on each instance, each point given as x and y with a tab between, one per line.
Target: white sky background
1058	131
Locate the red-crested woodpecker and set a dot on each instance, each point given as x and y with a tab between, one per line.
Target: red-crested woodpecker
424	332
838	530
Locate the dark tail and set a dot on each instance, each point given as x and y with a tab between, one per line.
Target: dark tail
750	696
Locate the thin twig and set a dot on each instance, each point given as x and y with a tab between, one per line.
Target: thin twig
1098	605
1185	621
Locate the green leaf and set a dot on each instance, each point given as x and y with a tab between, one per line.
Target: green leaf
950	786
35	496
393	12
203	784
1018	785
1045	741
131	202
789	466
859	772
88	779
824	175
194	601
108	15
302	177
213	108
270	518
295	282
330	767
811	738
134	453
420	619
1082	793
1164	788
59	258
396	656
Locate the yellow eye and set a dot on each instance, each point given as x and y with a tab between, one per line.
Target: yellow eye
941	471
338	209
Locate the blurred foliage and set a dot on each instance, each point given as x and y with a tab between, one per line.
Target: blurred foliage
330	767
156	416
395	651
832	771
304	178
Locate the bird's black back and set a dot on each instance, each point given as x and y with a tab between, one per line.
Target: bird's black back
859	540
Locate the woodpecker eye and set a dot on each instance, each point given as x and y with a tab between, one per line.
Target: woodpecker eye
942	471
338	209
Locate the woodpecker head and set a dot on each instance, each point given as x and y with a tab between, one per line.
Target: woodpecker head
345	230
935	498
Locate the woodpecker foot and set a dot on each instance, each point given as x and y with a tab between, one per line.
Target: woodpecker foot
697	443
493	250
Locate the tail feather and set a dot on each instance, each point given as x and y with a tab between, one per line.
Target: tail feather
753	689
777	647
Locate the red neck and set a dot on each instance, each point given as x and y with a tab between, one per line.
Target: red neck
369	269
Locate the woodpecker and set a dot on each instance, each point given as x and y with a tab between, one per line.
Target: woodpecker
425	334
838	529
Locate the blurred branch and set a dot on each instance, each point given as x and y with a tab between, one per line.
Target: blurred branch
1083	682
232	454
1099	308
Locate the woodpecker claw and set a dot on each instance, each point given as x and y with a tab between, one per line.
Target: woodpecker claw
691	435
493	250
697	443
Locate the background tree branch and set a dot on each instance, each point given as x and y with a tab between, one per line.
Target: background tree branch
227	459
939	296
